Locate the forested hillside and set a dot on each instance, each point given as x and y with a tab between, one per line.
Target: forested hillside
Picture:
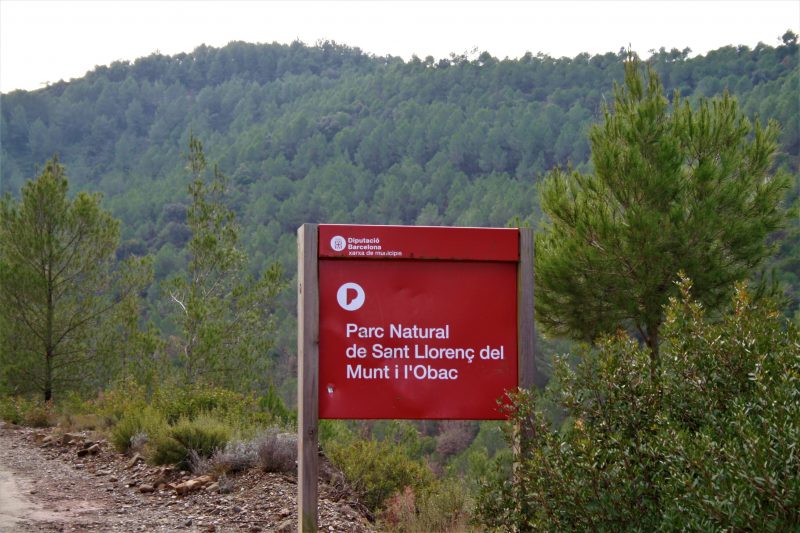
160	312
328	133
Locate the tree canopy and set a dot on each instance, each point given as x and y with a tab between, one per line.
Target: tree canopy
673	189
59	283
224	316
327	133
711	448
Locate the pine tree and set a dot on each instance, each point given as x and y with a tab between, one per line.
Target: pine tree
60	285
674	188
224	316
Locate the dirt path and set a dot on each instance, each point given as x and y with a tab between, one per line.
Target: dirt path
40	493
45	487
14	507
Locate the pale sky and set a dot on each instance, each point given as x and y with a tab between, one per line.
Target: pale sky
46	41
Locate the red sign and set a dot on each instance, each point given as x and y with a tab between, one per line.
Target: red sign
418	242
416	322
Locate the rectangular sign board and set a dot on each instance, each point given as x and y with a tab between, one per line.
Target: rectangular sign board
416	323
407	322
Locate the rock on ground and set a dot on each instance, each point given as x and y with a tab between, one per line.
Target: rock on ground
48	482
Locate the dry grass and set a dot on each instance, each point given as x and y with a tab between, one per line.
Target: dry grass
277	452
235	457
70	423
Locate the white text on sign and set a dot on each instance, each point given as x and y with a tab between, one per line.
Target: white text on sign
410	352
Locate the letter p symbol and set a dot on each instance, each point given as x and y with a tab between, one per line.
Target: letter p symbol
350	296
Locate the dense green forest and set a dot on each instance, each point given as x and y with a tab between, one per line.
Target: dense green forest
330	134
327	133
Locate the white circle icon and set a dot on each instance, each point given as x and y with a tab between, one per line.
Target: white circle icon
338	243
350	296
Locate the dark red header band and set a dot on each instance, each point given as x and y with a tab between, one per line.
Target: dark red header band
418	242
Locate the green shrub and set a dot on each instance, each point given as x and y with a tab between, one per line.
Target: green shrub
334	433
33	413
82	422
404	435
733	392
203	435
76	413
40	415
192	401
708	443
72	403
10	411
174	420
162	449
377	470
476	461
147	422
272	404
126	396
241	411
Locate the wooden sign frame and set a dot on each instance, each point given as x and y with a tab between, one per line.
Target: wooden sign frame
308	336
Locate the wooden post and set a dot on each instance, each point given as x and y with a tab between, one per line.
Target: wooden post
307	378
526	353
525	323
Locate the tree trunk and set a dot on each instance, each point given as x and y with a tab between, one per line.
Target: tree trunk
49	346
48	376
653	341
